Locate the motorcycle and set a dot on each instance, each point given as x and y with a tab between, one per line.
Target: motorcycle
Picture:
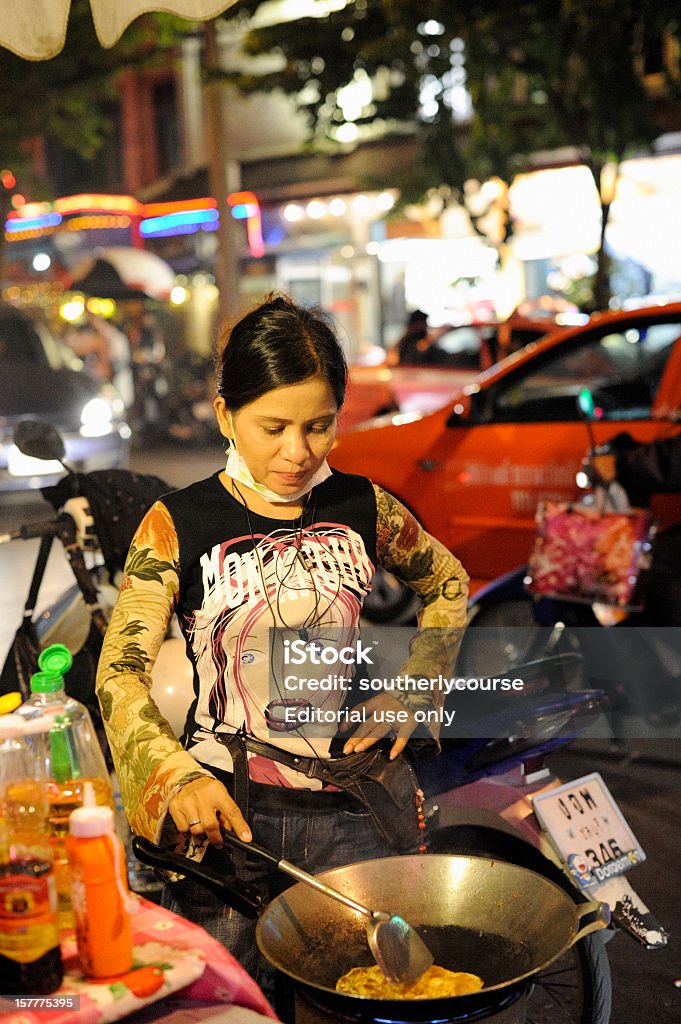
493	796
95	517
96	514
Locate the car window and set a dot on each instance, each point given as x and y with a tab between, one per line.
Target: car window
460	347
19	341
621	368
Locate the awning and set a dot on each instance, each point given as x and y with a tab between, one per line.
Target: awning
36	29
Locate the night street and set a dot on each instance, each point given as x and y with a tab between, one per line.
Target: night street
648	787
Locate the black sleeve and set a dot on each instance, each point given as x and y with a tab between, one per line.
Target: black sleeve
650	469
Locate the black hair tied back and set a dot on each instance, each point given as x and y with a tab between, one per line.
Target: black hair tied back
275	345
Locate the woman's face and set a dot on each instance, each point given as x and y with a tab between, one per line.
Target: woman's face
285	435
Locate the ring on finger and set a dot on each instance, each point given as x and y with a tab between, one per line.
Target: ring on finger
197	821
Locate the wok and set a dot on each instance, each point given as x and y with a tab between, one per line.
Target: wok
499	921
502	922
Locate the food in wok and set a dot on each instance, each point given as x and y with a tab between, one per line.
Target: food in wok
435	983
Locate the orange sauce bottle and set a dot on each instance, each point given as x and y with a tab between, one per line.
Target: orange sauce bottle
99	891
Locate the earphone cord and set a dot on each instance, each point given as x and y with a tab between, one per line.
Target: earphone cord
276	611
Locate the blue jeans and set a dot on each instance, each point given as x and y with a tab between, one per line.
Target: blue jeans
314	840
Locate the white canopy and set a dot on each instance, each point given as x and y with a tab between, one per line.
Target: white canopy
36	29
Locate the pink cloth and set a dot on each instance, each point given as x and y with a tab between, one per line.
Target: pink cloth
171	956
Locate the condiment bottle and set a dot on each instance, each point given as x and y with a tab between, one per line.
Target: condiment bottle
74	757
99	891
30	957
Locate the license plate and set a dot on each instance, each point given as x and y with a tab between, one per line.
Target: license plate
588	830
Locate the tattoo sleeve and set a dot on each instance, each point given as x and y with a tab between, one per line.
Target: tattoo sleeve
424	564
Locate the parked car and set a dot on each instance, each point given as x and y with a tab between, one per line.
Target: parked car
474	471
42	379
455	357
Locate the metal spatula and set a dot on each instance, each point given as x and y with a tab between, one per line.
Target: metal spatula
397	948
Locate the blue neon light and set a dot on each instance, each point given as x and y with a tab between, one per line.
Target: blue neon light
46	220
178	221
242	211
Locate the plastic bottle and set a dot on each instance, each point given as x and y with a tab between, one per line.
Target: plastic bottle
74	757
30	957
101	900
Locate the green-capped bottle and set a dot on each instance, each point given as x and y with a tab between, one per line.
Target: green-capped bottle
73	757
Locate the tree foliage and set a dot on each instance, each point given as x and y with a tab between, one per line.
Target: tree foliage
540	75
66	98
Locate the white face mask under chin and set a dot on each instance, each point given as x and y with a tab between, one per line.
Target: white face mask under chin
237	469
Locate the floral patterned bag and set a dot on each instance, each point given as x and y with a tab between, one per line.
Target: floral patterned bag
584	554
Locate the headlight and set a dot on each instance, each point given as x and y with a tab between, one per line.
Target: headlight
96	418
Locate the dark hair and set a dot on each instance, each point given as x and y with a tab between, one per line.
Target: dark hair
417	317
277	344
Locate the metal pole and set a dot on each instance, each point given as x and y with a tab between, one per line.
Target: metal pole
224	176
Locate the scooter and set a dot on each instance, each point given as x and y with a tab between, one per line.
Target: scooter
96	515
493	796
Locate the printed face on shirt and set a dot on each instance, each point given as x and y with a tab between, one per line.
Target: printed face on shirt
285	435
240	661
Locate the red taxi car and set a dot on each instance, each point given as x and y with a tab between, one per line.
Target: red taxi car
456	357
474	471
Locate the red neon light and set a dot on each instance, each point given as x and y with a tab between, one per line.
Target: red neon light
249	201
243	199
254	233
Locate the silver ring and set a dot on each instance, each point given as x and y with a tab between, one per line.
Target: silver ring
197	822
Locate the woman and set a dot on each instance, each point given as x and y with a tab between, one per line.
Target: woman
273	540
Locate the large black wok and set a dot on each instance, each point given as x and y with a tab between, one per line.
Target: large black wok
499	921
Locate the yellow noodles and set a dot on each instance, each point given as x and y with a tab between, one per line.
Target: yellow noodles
435	983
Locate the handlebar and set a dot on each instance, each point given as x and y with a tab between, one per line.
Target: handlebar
31	531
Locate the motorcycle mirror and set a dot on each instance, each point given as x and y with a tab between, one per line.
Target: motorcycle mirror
586	404
40	440
587	410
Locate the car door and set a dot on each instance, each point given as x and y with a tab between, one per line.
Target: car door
523	439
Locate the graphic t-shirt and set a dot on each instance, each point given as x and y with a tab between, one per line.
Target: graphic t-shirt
230	576
242	574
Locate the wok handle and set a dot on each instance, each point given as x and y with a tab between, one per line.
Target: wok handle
601	920
231	890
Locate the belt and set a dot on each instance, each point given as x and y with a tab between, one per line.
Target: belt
311	767
272	798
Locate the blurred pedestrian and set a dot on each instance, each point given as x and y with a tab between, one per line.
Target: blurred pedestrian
106	353
413	345
644	470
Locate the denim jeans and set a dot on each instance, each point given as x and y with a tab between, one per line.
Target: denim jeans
314	840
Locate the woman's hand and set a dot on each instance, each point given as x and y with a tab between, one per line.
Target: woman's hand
203	806
400	723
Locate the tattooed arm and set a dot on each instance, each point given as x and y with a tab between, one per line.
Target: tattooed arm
424	564
150	763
